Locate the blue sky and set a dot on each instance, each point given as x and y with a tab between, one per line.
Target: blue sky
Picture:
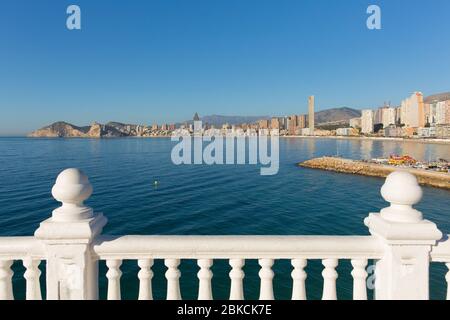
162	60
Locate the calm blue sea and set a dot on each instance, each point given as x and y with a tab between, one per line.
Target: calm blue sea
204	200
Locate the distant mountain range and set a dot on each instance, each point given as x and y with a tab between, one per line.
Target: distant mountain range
219	120
437	97
336	116
321	117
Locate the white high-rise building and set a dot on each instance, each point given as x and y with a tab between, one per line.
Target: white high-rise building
388	116
410	110
443	112
311	114
367	121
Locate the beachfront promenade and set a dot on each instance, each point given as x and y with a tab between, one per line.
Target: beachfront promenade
402	243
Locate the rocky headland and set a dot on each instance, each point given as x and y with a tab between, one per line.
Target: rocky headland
96	130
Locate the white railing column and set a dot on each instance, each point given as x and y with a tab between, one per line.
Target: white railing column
299	276
32	275
266	275
359	275
329	275
72	271
447	278
403	272
6	290
173	279
237	276
205	275
113	275
145	276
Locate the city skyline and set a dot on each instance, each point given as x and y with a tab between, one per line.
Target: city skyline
162	61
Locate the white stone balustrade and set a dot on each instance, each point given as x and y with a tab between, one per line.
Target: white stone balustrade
402	244
145	276
299	276
237	276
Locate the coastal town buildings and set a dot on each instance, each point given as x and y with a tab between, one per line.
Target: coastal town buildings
412	111
291	124
301	121
264	124
443	131
367	121
393	131
311	115
416	117
387	116
347	132
275	123
355	122
443	112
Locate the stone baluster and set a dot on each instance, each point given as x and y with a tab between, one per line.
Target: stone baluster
205	275
299	276
403	271
237	276
32	275
72	268
113	276
359	274
329	275
447	277
145	276
173	276
6	291
266	275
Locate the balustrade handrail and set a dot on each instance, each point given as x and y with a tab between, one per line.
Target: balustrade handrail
441	252
19	248
245	247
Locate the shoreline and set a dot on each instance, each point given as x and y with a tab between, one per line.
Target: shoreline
425	141
341	165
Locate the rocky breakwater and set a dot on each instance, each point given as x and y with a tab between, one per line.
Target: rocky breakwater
430	178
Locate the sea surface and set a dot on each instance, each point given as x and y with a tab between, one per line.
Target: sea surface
208	200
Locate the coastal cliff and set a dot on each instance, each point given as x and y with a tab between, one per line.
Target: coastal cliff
60	129
96	130
434	179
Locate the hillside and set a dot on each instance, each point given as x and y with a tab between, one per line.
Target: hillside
219	120
437	97
336	115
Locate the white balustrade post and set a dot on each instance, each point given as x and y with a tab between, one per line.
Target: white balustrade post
32	275
173	279
329	275
72	270
359	275
447	278
403	271
113	274
266	275
299	276
204	276
237	275
6	290
145	276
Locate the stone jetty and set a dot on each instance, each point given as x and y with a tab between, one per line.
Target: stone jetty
425	177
